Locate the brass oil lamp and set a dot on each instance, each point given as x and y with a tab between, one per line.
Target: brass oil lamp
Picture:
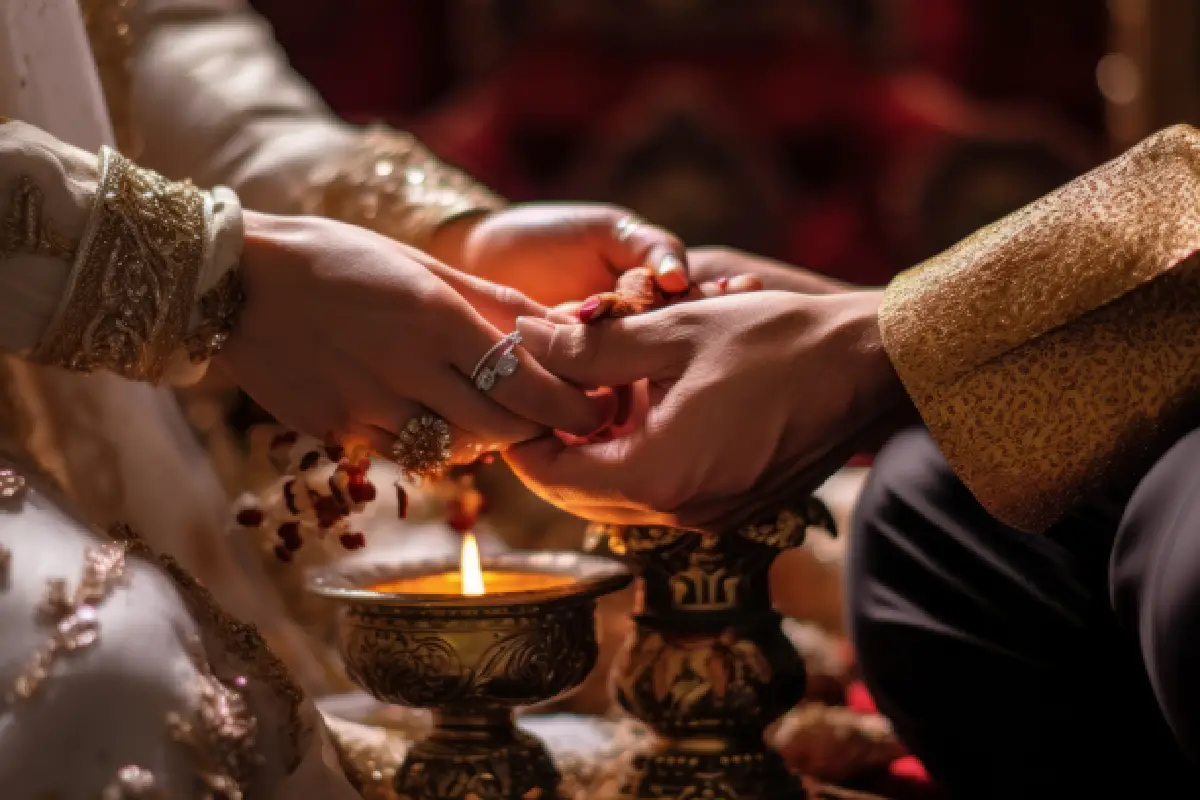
472	642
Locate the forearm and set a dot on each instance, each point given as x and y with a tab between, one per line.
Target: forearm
1053	354
214	99
107	266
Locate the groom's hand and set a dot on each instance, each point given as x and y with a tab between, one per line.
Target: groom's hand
715	264
750	398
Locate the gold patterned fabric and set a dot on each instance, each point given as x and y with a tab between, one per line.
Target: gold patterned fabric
219	309
131	293
391	183
1055	354
111	33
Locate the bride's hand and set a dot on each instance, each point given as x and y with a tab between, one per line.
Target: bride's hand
556	253
346	332
712	264
751	398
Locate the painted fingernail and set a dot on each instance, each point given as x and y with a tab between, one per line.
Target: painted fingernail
588	309
670	273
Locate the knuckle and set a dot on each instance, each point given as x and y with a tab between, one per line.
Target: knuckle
508	296
570	343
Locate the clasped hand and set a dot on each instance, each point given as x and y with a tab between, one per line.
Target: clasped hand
744	400
347	333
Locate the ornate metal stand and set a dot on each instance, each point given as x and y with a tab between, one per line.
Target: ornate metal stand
472	660
709	668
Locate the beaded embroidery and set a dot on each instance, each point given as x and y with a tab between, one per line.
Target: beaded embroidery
219	308
12	487
110	31
391	183
221	734
72	614
240	640
133	783
131	294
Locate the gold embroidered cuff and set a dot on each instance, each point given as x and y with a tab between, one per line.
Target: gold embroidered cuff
219	309
132	288
391	183
1053	353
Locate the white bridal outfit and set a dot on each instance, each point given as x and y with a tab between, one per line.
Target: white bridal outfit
120	676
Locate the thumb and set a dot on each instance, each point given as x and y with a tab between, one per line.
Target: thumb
631	243
614	353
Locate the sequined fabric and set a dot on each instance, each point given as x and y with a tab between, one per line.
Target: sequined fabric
133	783
132	290
392	184
1055	353
71	616
238	639
219	309
221	735
110	31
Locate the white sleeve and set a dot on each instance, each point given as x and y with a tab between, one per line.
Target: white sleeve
210	96
73	272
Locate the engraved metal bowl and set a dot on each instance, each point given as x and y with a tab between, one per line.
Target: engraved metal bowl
472	660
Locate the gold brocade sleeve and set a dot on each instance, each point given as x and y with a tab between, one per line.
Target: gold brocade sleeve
391	183
132	301
174	74
1056	353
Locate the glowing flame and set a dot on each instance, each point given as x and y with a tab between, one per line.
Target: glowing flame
469	569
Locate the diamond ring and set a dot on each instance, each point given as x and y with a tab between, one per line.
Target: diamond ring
498	362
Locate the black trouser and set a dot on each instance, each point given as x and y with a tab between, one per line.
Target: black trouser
1063	665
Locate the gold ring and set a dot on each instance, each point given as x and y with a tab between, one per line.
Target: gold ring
422	448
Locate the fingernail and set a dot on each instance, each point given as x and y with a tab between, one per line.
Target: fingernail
723	284
670	273
588	309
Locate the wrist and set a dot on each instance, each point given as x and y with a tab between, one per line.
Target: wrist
880	401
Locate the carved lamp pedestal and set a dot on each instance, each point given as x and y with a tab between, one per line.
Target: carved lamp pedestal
472	660
709	668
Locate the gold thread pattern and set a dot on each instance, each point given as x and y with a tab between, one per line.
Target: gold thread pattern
12	487
109	25
222	734
134	783
131	295
240	639
393	184
1054	354
72	615
26	230
219	309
